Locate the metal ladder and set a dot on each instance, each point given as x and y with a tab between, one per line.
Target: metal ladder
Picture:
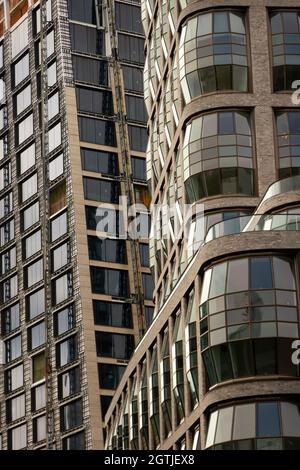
121	122
50	433
65	78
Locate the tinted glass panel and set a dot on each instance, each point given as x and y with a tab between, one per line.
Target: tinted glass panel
114	345
82	11
90	70
99	162
86	39
107	250
110	375
109	281
112	314
94	101
97	131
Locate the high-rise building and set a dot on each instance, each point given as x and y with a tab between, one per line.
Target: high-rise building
72	137
219	367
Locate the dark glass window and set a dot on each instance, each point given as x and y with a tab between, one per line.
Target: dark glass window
138	138
133	78
109	281
104	249
97	131
92	71
101	190
94	101
87	39
139	168
97	161
135	108
71	415
148	285
128	18
110	375
105	402
285	28
114	345
69	383
104	220
82	11
261	273
268	424
144	254
74	442
149	311
288	142
131	48
112	314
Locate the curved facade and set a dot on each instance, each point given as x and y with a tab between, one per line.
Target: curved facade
223	132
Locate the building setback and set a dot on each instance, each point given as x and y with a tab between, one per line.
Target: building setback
72	137
215	369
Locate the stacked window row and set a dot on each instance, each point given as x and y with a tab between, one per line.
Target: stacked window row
163	378
102	171
27	116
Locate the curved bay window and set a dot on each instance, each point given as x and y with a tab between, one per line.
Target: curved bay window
191	352
285	30
288	142
267	425
143	415
154	398
178	374
248	318
213	54
133	432
217	155
165	375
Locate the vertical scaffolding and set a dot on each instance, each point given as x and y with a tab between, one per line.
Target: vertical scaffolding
121	123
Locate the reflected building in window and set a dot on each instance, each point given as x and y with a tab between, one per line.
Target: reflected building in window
73	136
218	368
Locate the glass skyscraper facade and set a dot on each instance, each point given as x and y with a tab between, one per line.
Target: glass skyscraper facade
217	369
73	136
